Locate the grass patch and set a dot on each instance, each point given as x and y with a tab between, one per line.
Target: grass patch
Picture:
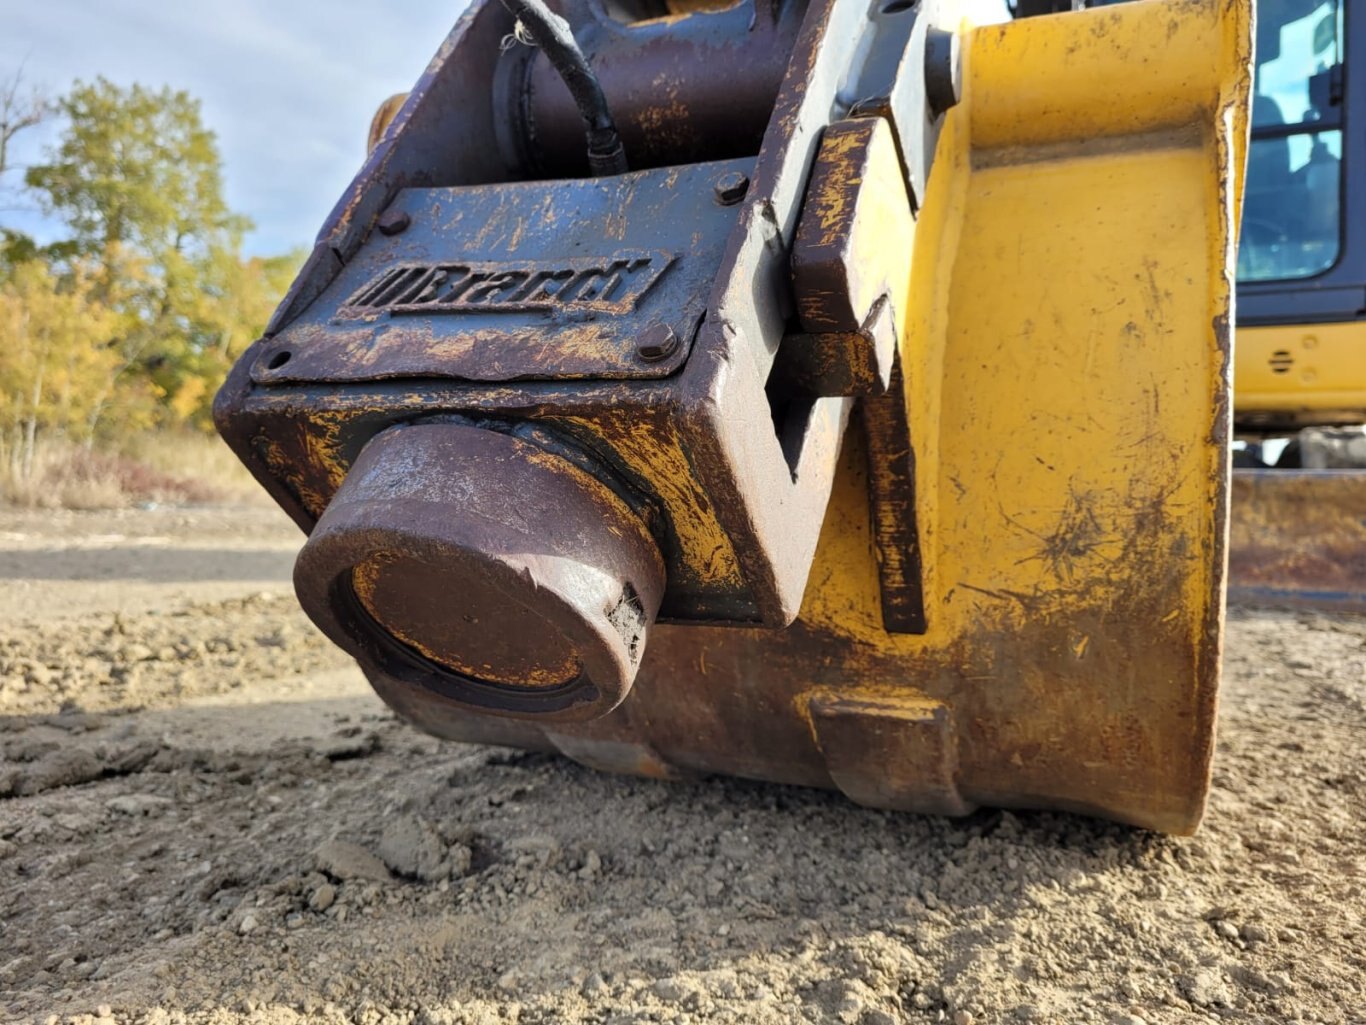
154	469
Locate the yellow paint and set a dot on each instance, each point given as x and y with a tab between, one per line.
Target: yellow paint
383	118
1326	373
1067	376
322	452
1130	69
653	451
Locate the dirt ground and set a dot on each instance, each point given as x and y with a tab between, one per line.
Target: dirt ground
206	817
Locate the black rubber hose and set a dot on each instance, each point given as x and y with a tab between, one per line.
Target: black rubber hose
552	34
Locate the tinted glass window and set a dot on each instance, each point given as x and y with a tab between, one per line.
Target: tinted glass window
1292	204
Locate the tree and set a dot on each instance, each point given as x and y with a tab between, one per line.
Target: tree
228	313
21	108
56	356
152	269
136	168
138	179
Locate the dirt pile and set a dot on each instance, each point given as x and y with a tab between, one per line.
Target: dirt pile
107	661
261	842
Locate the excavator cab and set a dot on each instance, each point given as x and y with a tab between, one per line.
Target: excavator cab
1302	249
1299	495
1291	209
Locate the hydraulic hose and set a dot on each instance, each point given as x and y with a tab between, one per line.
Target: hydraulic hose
553	35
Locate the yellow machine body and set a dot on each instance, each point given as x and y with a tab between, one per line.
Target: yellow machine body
1300	375
1067	363
1298	535
1064	347
1081	309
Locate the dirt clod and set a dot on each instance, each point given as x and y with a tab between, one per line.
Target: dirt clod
412	847
344	860
322	898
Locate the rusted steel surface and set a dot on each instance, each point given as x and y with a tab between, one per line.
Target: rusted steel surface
682	90
469	119
1298	537
422	570
846	256
525	420
521	281
894	520
741	506
851	265
1025	713
839	363
890	752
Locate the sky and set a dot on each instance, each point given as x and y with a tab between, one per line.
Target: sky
289	86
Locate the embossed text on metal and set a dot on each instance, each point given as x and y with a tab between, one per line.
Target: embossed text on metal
611	284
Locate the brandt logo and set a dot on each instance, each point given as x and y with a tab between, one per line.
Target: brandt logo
612	284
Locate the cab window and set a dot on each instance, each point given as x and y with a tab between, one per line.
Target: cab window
1292	201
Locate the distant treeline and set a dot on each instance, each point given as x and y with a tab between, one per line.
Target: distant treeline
130	321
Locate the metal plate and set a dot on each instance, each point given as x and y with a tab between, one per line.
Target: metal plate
524	281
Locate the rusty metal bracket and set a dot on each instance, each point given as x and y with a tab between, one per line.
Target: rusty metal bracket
851	265
892	751
851	271
577	450
518	281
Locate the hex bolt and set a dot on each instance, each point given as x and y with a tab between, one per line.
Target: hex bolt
731	188
656	343
394	222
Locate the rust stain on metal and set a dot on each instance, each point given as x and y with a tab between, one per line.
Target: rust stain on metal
541	613
571	488
610	284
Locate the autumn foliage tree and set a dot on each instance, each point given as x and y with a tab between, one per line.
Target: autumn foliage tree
54	348
132	319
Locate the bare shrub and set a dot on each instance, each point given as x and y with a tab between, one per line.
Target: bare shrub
155	469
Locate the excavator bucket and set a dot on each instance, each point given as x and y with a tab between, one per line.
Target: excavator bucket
871	432
1298	538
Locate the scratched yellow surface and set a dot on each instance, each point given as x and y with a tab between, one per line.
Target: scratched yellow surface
1326	373
1068	376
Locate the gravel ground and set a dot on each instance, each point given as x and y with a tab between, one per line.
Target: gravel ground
206	817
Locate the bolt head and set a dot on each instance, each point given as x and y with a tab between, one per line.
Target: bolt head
394	222
658	342
731	187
